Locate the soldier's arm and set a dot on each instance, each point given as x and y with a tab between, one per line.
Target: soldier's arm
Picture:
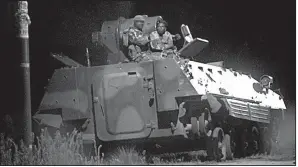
137	40
154	43
176	37
170	43
157	45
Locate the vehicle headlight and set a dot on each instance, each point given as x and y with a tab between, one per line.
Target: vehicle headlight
266	81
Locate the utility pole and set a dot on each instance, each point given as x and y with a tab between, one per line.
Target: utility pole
22	21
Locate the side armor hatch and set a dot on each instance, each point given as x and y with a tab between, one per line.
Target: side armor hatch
124	98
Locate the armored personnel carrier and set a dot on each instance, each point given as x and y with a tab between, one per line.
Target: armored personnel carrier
227	112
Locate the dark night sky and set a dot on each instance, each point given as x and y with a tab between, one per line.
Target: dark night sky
252	36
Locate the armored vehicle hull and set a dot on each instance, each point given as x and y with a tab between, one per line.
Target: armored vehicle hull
163	100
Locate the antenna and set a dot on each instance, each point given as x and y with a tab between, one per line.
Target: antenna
88	57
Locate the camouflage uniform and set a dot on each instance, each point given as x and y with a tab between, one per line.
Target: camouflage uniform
138	45
158	44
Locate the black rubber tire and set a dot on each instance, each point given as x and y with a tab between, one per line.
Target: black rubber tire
210	146
244	143
202	126
213	150
255	134
217	151
194	125
240	137
265	141
227	143
233	142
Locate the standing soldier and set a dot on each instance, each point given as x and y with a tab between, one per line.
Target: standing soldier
137	40
162	40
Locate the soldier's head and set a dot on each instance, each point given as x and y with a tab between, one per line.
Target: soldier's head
161	26
138	21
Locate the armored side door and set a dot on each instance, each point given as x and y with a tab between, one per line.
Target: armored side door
124	102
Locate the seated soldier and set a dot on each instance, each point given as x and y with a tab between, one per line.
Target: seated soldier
161	41
137	40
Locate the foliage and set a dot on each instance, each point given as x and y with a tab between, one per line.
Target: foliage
59	150
68	150
127	156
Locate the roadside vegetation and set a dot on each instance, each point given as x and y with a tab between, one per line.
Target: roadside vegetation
68	150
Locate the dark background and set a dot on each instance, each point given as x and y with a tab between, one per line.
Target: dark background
253	36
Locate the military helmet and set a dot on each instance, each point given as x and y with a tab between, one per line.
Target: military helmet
138	18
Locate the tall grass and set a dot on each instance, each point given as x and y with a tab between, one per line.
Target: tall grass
59	150
62	150
68	150
127	156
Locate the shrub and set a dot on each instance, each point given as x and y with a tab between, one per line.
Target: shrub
60	150
127	156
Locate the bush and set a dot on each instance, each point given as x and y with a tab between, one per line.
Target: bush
60	150
127	156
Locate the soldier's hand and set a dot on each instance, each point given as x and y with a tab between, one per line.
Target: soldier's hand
177	37
154	43
147	36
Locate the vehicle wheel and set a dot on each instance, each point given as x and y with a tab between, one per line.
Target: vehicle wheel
245	143
274	134
265	141
233	142
255	142
203	123
194	126
227	142
215	150
241	147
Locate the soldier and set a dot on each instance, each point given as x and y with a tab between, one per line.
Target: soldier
137	40
162	40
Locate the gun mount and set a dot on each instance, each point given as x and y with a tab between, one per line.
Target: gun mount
112	38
